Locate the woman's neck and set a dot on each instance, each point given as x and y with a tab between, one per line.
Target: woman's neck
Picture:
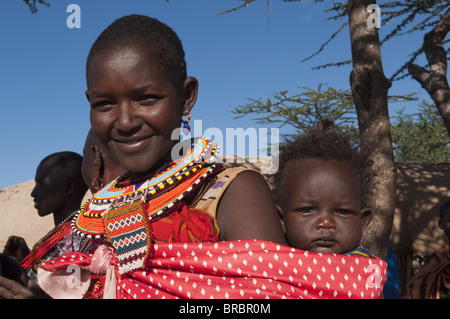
158	167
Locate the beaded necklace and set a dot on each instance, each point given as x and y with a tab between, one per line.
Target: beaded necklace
160	193
120	212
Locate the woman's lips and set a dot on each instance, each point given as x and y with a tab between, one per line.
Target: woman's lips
132	144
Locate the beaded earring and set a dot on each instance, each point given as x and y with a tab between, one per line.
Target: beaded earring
97	183
186	127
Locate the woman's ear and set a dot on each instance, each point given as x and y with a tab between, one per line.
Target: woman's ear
190	92
366	218
281	215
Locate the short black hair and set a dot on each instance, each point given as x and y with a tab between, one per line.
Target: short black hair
140	30
70	164
327	145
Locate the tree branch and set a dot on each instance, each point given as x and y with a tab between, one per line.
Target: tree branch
434	45
434	80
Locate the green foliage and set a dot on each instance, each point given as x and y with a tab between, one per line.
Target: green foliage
309	108
421	136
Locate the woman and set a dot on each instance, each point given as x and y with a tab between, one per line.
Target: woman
139	91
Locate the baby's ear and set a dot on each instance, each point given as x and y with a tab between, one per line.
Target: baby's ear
366	218
281	215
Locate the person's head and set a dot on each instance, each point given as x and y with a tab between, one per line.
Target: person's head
318	190
60	187
138	90
98	167
444	219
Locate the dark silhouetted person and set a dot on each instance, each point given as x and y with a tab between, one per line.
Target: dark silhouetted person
59	190
60	186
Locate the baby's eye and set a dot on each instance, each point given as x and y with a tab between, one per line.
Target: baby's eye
306	210
345	212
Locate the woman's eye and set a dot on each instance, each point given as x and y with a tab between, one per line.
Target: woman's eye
101	105
147	99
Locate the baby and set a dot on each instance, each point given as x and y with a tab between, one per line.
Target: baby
318	191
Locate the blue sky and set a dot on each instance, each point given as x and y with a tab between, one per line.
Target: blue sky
234	56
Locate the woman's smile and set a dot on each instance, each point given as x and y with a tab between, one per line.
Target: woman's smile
132	144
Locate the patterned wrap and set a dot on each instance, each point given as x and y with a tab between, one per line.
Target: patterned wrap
152	239
239	270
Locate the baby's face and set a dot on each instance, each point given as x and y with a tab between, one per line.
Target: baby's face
322	206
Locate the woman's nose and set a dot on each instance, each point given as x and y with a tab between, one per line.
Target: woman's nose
127	120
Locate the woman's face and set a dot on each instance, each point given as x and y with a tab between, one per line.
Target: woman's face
135	107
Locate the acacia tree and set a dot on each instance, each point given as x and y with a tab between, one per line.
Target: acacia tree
415	15
305	110
320	107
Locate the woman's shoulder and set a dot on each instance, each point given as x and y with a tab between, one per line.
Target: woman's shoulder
246	209
220	183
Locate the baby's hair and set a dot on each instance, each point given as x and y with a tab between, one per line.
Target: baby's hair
325	145
140	30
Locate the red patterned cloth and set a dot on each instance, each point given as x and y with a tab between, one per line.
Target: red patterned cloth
241	270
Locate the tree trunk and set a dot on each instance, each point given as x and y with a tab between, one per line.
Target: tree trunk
434	80
369	90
